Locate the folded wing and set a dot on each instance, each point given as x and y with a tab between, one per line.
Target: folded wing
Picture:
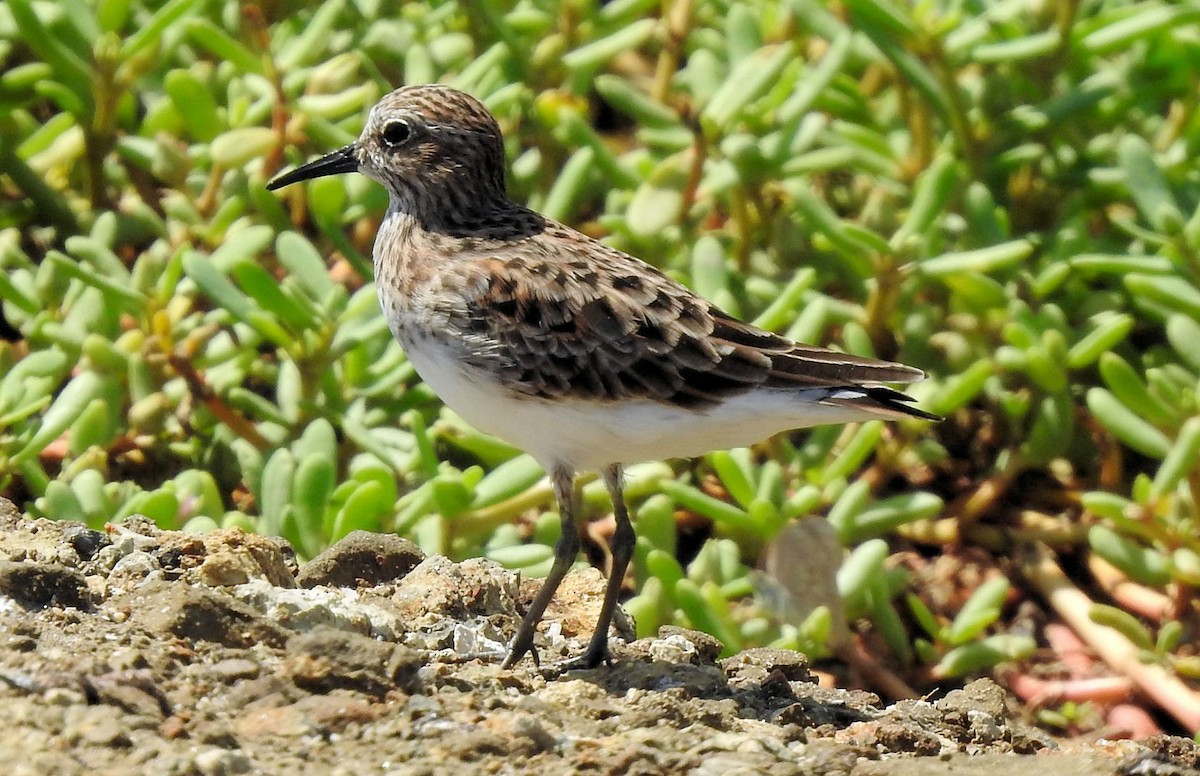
618	329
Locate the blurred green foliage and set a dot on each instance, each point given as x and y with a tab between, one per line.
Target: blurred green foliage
1003	194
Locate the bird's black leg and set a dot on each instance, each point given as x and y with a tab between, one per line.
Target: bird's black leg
623	543
564	555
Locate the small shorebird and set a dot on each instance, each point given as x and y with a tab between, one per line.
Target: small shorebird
579	354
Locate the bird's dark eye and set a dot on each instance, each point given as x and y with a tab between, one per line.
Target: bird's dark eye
396	132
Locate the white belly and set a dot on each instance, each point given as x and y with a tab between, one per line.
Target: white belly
588	435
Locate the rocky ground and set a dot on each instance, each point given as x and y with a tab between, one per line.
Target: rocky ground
147	651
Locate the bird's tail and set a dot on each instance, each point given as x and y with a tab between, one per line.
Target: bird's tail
878	400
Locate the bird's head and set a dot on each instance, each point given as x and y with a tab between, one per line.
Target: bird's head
437	150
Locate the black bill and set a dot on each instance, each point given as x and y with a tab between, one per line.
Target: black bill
340	161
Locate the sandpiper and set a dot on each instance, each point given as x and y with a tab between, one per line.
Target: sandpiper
583	356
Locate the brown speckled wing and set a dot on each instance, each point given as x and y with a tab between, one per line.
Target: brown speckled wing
615	328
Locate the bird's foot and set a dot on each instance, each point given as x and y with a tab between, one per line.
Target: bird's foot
521	645
588	660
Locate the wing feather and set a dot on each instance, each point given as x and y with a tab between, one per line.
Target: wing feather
616	328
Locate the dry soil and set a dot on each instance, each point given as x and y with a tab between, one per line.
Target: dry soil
137	650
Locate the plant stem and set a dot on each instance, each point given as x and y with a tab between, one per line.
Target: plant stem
1072	604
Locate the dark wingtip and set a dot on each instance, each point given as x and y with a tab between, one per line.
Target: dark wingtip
900	402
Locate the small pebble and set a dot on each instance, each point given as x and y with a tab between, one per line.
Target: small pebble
219	762
235	668
85	541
